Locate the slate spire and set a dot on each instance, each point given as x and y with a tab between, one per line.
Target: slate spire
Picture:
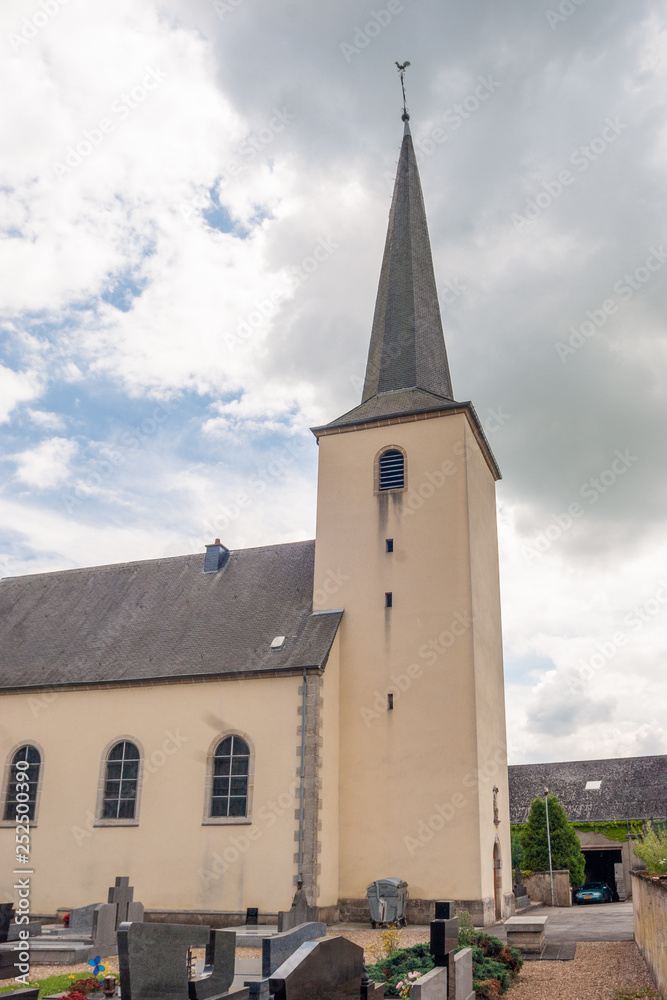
407	349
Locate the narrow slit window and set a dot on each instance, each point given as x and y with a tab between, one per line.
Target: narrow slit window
390	545
23	776
390	702
392	470
388	600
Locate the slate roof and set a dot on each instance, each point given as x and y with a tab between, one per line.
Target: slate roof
630	788
407	349
164	618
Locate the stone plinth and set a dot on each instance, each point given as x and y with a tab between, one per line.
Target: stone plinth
526	933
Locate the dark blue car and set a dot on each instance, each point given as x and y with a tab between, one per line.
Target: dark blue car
593	892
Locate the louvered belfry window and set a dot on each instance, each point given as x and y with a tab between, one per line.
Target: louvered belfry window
392	470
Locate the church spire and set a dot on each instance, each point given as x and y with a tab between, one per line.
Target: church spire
407	349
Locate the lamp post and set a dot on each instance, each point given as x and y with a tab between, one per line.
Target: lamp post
551	870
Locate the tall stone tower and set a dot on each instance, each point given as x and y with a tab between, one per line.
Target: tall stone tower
407	545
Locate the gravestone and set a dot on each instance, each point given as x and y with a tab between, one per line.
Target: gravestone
6	918
445	941
463	988
320	970
122	896
431	986
278	948
152	959
300	913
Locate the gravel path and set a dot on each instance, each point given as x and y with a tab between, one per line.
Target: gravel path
598	970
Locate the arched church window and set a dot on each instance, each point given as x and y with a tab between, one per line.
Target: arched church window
121	781
391	470
231	770
23	783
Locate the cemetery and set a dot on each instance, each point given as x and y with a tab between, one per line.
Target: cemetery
296	960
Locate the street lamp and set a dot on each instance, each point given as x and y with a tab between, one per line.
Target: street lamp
551	870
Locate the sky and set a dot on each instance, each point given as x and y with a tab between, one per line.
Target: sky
194	201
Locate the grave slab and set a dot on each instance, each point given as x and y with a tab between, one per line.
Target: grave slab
278	948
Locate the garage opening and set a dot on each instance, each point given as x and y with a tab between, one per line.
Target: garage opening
600	868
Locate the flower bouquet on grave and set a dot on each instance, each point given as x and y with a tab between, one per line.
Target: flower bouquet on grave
405	985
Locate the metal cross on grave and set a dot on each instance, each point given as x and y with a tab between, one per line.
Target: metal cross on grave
122	894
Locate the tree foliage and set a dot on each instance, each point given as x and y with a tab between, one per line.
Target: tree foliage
517	849
652	850
565	847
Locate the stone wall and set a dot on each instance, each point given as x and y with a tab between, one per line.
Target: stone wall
649	902
538	886
419	911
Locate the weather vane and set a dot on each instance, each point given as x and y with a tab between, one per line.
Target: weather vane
401	69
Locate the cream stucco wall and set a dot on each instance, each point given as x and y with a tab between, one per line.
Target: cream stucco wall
173	859
412	802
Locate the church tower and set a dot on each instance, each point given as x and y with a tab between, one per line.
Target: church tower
407	546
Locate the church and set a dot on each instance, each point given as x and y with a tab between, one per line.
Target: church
225	726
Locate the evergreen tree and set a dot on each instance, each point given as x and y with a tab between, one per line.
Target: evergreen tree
565	847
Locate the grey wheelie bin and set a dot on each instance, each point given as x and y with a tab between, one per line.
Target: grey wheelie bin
387	899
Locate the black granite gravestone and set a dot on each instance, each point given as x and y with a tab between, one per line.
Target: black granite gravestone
445	939
320	970
152	959
6	917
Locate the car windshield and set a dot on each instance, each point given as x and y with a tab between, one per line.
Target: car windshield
591	885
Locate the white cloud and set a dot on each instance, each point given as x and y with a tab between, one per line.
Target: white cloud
48	464
16	387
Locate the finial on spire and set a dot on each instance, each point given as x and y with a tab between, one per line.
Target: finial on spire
405	117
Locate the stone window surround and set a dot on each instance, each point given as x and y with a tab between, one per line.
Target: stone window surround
5	781
99	808
376	470
207	819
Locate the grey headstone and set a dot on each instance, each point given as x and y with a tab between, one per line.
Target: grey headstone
81	919
104	930
24	994
462	971
431	986
33	927
218	968
121	894
278	948
152	959
300	913
332	967
135	913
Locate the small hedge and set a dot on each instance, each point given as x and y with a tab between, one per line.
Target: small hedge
494	965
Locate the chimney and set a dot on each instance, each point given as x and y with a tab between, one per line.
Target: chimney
216	557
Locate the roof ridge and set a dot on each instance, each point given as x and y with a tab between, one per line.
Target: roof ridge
145	562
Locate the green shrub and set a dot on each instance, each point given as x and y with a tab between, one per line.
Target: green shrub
652	850
492	962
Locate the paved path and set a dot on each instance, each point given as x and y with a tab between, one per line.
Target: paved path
571	924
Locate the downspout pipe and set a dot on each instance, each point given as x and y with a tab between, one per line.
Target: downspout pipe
302	787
